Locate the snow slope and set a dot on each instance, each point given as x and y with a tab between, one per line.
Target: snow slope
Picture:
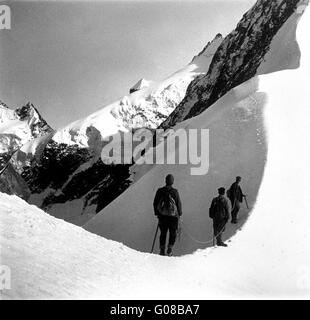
222	65
237	147
270	258
50	258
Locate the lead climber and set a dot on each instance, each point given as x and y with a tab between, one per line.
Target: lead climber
168	208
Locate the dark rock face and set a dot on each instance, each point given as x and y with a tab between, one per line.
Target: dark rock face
132	91
38	126
98	185
54	167
12	183
59	170
4	159
237	59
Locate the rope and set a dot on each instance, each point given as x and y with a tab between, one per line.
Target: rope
198	241
203	242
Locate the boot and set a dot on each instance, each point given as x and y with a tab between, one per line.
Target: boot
234	219
219	241
162	251
222	244
169	251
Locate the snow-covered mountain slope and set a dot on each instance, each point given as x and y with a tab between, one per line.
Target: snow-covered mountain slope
64	170
142	83
243	54
270	258
17	128
145	108
281	53
237	147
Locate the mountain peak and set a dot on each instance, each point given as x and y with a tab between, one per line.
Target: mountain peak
237	59
142	83
29	113
206	50
18	127
25	111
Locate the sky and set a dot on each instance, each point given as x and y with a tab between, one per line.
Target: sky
72	58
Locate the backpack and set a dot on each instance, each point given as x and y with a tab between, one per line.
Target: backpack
167	206
216	209
212	210
228	194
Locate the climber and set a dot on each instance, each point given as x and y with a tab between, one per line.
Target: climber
235	196
219	212
168	208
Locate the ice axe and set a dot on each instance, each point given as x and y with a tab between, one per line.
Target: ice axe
155	238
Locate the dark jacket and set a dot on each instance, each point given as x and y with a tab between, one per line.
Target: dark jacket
161	193
235	193
220	208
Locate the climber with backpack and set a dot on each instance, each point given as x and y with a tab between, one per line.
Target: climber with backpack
219	212
168	208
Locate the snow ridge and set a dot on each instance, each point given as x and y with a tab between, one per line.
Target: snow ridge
237	59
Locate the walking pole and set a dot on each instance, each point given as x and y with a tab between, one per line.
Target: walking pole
246	202
155	238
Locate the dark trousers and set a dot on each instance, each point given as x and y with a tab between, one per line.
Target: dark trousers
218	229
168	223
235	205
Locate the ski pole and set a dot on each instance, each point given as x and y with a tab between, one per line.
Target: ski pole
155	238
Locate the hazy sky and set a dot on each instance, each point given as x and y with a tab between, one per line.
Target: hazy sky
72	58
